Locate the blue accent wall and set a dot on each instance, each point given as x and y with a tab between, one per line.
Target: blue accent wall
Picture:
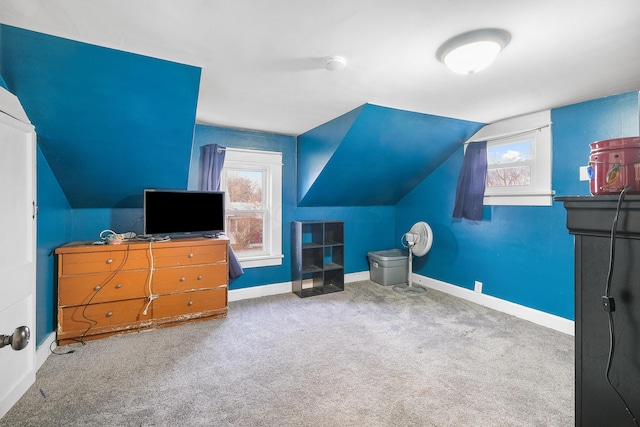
520	254
576	126
54	229
317	146
378	159
110	123
366	228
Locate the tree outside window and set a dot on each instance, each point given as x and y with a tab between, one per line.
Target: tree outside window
509	165
518	160
245	214
252	181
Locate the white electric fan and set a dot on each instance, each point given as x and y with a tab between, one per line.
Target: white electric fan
418	240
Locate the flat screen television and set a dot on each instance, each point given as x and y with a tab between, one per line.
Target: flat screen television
175	212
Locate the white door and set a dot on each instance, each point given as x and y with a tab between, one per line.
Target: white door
17	255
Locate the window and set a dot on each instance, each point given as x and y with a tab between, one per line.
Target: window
252	181
518	161
509	165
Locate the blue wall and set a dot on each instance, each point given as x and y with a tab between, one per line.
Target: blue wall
576	126
366	228
54	229
520	254
110	123
87	224
345	162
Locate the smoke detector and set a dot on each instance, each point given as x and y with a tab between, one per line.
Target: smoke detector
334	63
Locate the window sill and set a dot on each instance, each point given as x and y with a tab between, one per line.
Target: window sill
261	261
539	199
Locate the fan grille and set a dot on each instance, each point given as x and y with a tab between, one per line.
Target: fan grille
425	238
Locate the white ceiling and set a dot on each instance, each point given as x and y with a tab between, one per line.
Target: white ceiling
262	60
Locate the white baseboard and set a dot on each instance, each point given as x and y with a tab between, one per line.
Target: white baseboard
43	352
356	277
259	291
536	316
283	288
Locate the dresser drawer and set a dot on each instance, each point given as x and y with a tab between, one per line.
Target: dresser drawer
188	304
104	290
102	261
186	255
101	318
97	288
181	279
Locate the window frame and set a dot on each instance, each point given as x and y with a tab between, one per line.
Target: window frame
535	127
270	163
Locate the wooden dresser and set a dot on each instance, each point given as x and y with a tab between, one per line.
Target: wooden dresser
108	289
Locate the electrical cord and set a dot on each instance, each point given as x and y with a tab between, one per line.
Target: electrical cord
53	350
87	319
92	322
133	227
609	306
151	270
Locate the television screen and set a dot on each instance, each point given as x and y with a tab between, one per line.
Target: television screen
183	212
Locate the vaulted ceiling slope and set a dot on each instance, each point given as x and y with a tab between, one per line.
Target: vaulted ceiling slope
109	123
262	63
374	156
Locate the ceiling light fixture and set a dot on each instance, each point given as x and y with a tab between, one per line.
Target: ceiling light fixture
474	51
334	63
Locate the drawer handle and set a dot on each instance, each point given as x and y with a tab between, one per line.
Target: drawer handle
119	285
182	279
97	288
199	277
109	261
190	255
190	303
109	314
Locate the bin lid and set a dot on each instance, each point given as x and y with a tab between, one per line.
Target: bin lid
388	254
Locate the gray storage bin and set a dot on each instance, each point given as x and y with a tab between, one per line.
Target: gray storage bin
389	267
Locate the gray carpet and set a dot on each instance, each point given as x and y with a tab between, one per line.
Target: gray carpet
363	357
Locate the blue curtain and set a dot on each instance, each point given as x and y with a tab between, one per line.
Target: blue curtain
471	182
213	160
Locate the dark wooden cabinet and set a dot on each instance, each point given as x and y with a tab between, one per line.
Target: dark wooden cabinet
590	220
318	257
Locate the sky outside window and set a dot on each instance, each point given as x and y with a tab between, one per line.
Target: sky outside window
509	153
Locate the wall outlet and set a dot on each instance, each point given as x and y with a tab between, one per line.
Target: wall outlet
478	287
584	175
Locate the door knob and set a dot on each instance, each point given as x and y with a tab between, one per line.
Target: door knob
18	340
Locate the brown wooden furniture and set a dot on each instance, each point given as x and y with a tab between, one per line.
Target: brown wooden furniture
109	289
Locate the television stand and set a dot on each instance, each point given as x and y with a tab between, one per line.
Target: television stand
112	289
